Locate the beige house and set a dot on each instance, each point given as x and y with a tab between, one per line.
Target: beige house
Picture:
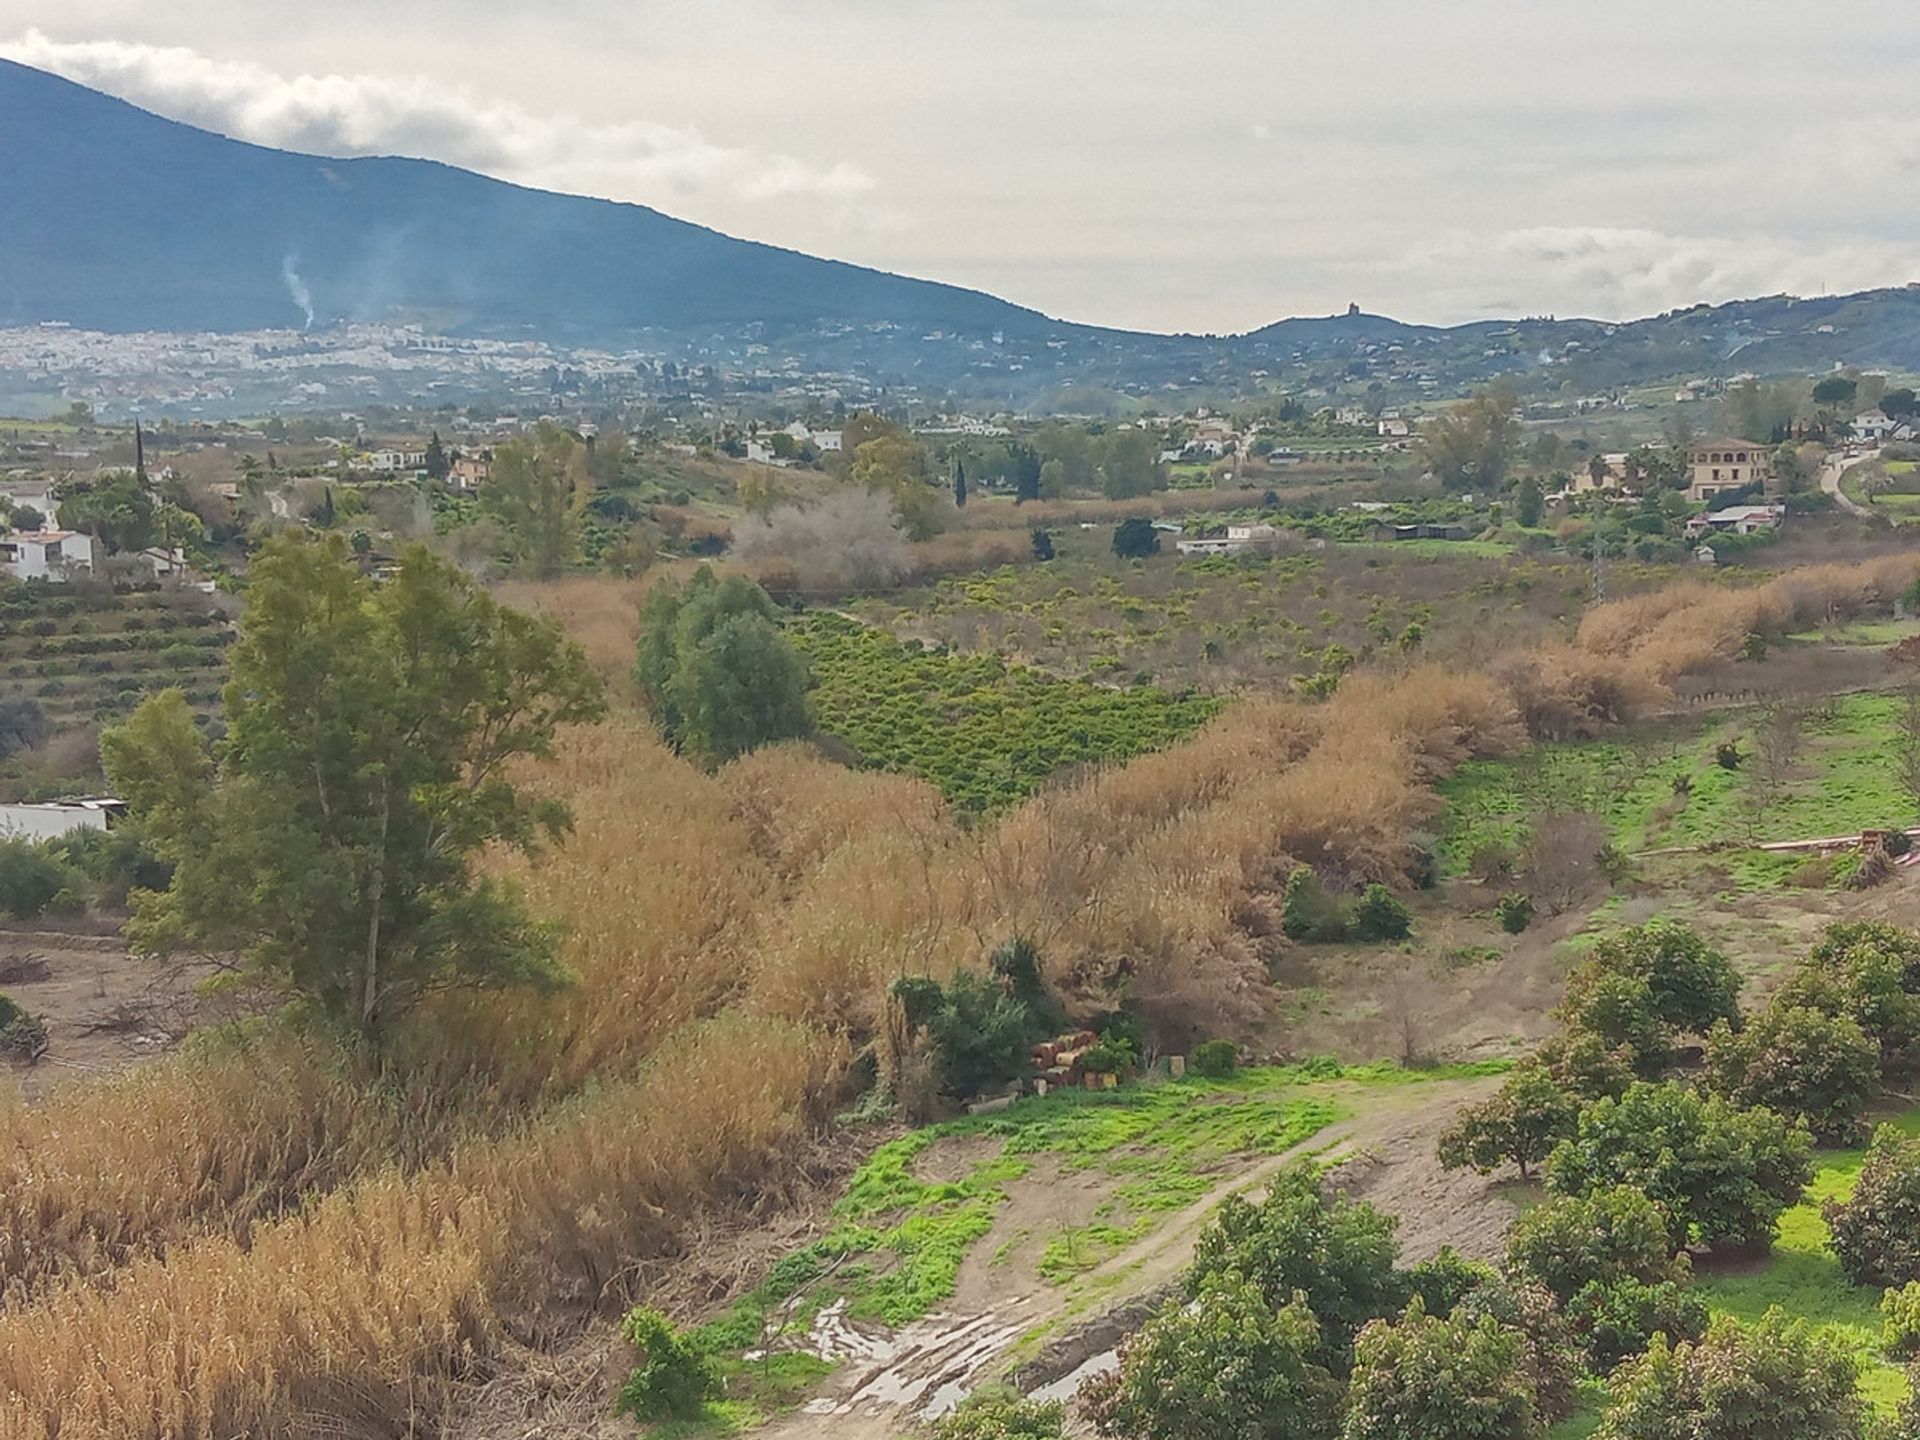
1719	465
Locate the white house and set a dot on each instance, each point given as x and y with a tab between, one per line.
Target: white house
60	817
49	555
390	461
827	442
1872	427
1394	428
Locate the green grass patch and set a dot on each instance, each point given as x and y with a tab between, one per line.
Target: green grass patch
1666	789
986	731
899	1241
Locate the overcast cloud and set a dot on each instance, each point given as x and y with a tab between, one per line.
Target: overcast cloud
1203	166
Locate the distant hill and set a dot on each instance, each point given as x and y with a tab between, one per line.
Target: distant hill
117	219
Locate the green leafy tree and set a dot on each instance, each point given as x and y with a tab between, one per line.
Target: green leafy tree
537	489
1869	972
1721	1175
371	732
1229	1364
1528	503
1470	446
1520	1124
1026	474
438	465
113	506
1438	1379
1378	915
1876	1231
719	673
1780	1380
1898	405
1810	1066
1693	984
1336	1251
1002	1417
1619	1319
1131	466
1135	539
1835	391
1571	1242
1042	545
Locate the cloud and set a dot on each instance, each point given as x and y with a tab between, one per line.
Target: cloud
357	114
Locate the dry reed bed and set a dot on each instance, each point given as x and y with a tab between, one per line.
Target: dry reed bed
362	1309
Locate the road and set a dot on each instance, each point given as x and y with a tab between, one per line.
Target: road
1838	463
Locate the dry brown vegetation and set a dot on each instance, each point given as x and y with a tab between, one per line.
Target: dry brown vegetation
277	1240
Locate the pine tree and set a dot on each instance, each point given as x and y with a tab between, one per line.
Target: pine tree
960	483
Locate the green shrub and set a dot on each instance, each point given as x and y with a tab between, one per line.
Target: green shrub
1439	1379
1876	1232
1900	1321
32	880
1808	1065
1514	912
1440	1284
1618	1320
1780	1380
1571	1243
1228	1364
995	1416
1308	913
23	1036
1215	1059
1380	916
1721	1175
1336	1251
673	1380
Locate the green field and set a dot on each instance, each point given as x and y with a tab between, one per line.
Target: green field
986	731
1844	778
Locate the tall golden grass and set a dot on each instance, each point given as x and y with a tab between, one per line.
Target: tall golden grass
361	1310
1685	627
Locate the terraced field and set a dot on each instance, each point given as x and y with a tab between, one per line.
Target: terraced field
88	654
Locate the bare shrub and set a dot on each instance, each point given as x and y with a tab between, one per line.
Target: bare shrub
1562	858
851	540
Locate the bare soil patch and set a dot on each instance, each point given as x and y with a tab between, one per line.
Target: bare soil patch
105	1009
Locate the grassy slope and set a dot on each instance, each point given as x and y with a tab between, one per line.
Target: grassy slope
1847	778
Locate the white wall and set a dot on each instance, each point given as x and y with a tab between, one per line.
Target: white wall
47	822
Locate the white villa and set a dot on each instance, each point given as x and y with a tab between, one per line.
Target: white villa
49	555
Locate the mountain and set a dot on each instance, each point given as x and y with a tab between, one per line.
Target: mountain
118	219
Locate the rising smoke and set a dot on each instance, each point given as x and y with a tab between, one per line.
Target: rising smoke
297	287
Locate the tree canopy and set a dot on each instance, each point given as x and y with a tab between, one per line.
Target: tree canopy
717	670
328	840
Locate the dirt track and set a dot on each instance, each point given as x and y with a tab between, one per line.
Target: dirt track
890	1380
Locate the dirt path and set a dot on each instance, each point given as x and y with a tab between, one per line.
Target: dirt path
889	1380
1831	474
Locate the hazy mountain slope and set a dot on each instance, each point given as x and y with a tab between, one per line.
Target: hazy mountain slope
114	218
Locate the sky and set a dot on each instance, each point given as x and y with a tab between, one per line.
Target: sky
1206	166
